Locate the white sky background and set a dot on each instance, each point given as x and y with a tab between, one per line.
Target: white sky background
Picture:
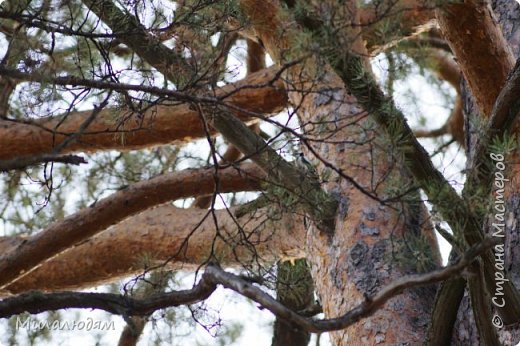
258	323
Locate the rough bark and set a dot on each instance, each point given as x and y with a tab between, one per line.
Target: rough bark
166	236
125	130
354	261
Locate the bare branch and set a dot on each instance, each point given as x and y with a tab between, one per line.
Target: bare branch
455	210
363	310
36	302
26	161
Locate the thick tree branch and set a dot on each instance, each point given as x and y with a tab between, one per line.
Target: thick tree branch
295	290
87	222
167	236
444	314
259	93
479	46
481	307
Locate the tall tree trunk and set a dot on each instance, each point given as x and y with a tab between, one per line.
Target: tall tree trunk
508	16
361	256
372	244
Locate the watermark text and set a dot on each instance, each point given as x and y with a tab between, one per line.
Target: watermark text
498	230
66	325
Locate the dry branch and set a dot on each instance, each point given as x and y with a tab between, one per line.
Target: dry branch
362	310
26	161
36	302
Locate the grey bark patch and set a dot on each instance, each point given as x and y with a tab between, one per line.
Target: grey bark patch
340	147
379	250
358	252
365	230
370	214
343	207
362	268
325	96
367	283
508	13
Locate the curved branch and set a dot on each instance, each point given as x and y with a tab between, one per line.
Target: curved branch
480	48
362	310
26	161
89	221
